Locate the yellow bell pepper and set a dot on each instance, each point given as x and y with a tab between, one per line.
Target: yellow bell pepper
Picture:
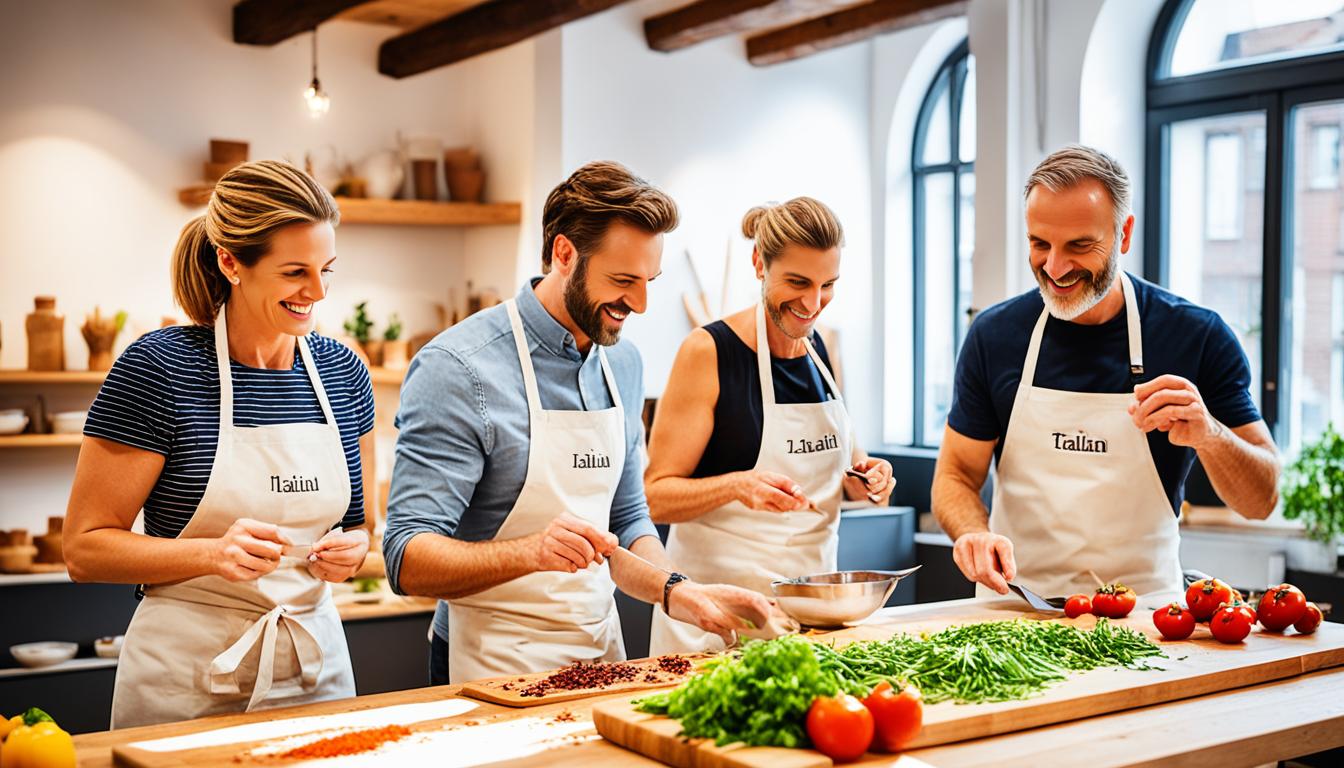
37	742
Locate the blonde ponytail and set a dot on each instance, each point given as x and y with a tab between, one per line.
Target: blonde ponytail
249	204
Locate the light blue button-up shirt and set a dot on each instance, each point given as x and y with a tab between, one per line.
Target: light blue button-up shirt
461	456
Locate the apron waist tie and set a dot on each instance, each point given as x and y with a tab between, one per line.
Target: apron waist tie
224	667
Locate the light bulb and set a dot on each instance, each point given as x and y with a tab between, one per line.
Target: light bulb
319	103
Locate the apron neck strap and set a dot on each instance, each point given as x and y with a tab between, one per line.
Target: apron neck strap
1132	327
226	376
609	376
524	356
763	362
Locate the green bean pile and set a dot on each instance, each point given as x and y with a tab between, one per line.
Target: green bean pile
994	661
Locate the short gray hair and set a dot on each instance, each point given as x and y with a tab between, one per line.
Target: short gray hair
1074	164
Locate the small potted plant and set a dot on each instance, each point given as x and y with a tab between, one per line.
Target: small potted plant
1313	492
361	328
396	350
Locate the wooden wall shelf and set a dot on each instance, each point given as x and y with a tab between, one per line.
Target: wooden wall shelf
40	441
412	212
52	377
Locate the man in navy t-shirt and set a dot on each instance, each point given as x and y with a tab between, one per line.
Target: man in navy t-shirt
1094	394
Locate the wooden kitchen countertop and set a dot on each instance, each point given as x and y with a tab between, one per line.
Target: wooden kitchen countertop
1254	724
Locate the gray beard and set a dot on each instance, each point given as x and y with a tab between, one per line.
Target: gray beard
1094	290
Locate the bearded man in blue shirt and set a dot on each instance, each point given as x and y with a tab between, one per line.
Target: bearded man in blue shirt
517	496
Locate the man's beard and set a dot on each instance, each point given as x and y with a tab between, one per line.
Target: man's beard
1095	288
776	314
586	313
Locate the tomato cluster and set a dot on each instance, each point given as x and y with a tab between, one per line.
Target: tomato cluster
843	727
1113	601
1230	617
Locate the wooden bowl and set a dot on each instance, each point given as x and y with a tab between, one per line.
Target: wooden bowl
17	559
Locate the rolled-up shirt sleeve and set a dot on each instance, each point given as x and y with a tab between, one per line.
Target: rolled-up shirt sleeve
629	508
441	452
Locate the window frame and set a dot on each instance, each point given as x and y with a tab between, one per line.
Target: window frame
1276	88
950	77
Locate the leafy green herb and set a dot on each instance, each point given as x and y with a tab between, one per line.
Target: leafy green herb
761	698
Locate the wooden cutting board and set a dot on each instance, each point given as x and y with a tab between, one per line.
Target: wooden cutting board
1195	667
508	690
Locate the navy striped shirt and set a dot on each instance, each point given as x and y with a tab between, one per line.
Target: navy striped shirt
162	395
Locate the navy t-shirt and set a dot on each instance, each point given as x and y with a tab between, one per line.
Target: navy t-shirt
1178	338
162	395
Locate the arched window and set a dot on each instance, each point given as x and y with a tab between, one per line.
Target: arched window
943	173
1245	113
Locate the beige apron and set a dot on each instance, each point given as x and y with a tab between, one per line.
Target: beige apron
735	544
546	620
208	645
1077	490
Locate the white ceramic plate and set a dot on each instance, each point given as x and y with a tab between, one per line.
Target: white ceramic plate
43	654
108	647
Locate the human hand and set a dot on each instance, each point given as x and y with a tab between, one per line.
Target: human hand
338	555
570	543
986	558
770	491
248	550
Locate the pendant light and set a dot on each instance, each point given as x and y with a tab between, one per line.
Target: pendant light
317	99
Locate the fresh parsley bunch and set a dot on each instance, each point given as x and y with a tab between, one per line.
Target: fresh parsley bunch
760	698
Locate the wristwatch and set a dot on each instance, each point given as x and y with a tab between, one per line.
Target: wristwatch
673	579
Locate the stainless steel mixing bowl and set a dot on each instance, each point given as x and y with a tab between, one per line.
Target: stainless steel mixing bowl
836	599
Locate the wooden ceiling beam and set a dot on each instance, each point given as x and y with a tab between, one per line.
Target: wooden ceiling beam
478	30
708	19
850	25
267	22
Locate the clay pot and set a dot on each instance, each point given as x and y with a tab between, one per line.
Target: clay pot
373	348
466	185
49	548
397	354
226	151
425	174
213	172
46	336
461	158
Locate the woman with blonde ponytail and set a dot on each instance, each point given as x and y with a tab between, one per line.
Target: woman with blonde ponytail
240	436
751	441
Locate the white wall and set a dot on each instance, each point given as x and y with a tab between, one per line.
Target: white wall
720	136
106	110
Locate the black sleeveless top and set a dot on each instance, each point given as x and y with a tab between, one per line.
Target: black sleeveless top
736	439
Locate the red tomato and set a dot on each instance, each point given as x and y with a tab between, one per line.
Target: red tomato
1204	597
1077	606
1113	601
1311	619
897	715
1281	606
840	727
1174	622
1231	624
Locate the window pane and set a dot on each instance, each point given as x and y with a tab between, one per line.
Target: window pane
1230	33
965	250
1316	383
967	122
1216	223
938	137
939	348
1222	186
